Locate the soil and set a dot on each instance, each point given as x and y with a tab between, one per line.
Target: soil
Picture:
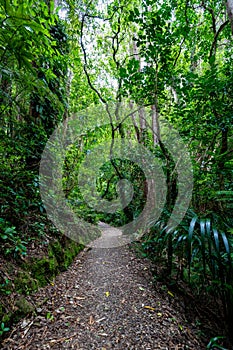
107	300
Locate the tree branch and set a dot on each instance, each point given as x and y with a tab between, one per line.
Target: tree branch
213	46
178	55
85	62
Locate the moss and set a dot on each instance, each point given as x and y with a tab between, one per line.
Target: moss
57	250
25	283
70	251
35	273
45	269
6	318
23	308
65	253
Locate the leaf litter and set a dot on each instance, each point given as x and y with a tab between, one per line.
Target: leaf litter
99	305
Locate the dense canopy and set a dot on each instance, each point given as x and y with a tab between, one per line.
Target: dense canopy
155	77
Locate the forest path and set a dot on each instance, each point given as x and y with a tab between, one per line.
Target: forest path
105	300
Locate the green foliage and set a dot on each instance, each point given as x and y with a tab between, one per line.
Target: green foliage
10	240
33	65
173	55
107	180
3	328
5	287
214	344
200	253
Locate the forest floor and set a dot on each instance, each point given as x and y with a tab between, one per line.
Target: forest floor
107	300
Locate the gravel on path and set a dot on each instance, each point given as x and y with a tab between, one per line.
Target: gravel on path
105	300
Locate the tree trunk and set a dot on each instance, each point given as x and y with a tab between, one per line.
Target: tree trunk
136	128
229	5
142	120
141	111
155	125
221	164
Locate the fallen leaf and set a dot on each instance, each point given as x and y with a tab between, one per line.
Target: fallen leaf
170	293
91	320
159	314
149	307
107	294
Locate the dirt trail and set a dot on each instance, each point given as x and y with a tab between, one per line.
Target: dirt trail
105	300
